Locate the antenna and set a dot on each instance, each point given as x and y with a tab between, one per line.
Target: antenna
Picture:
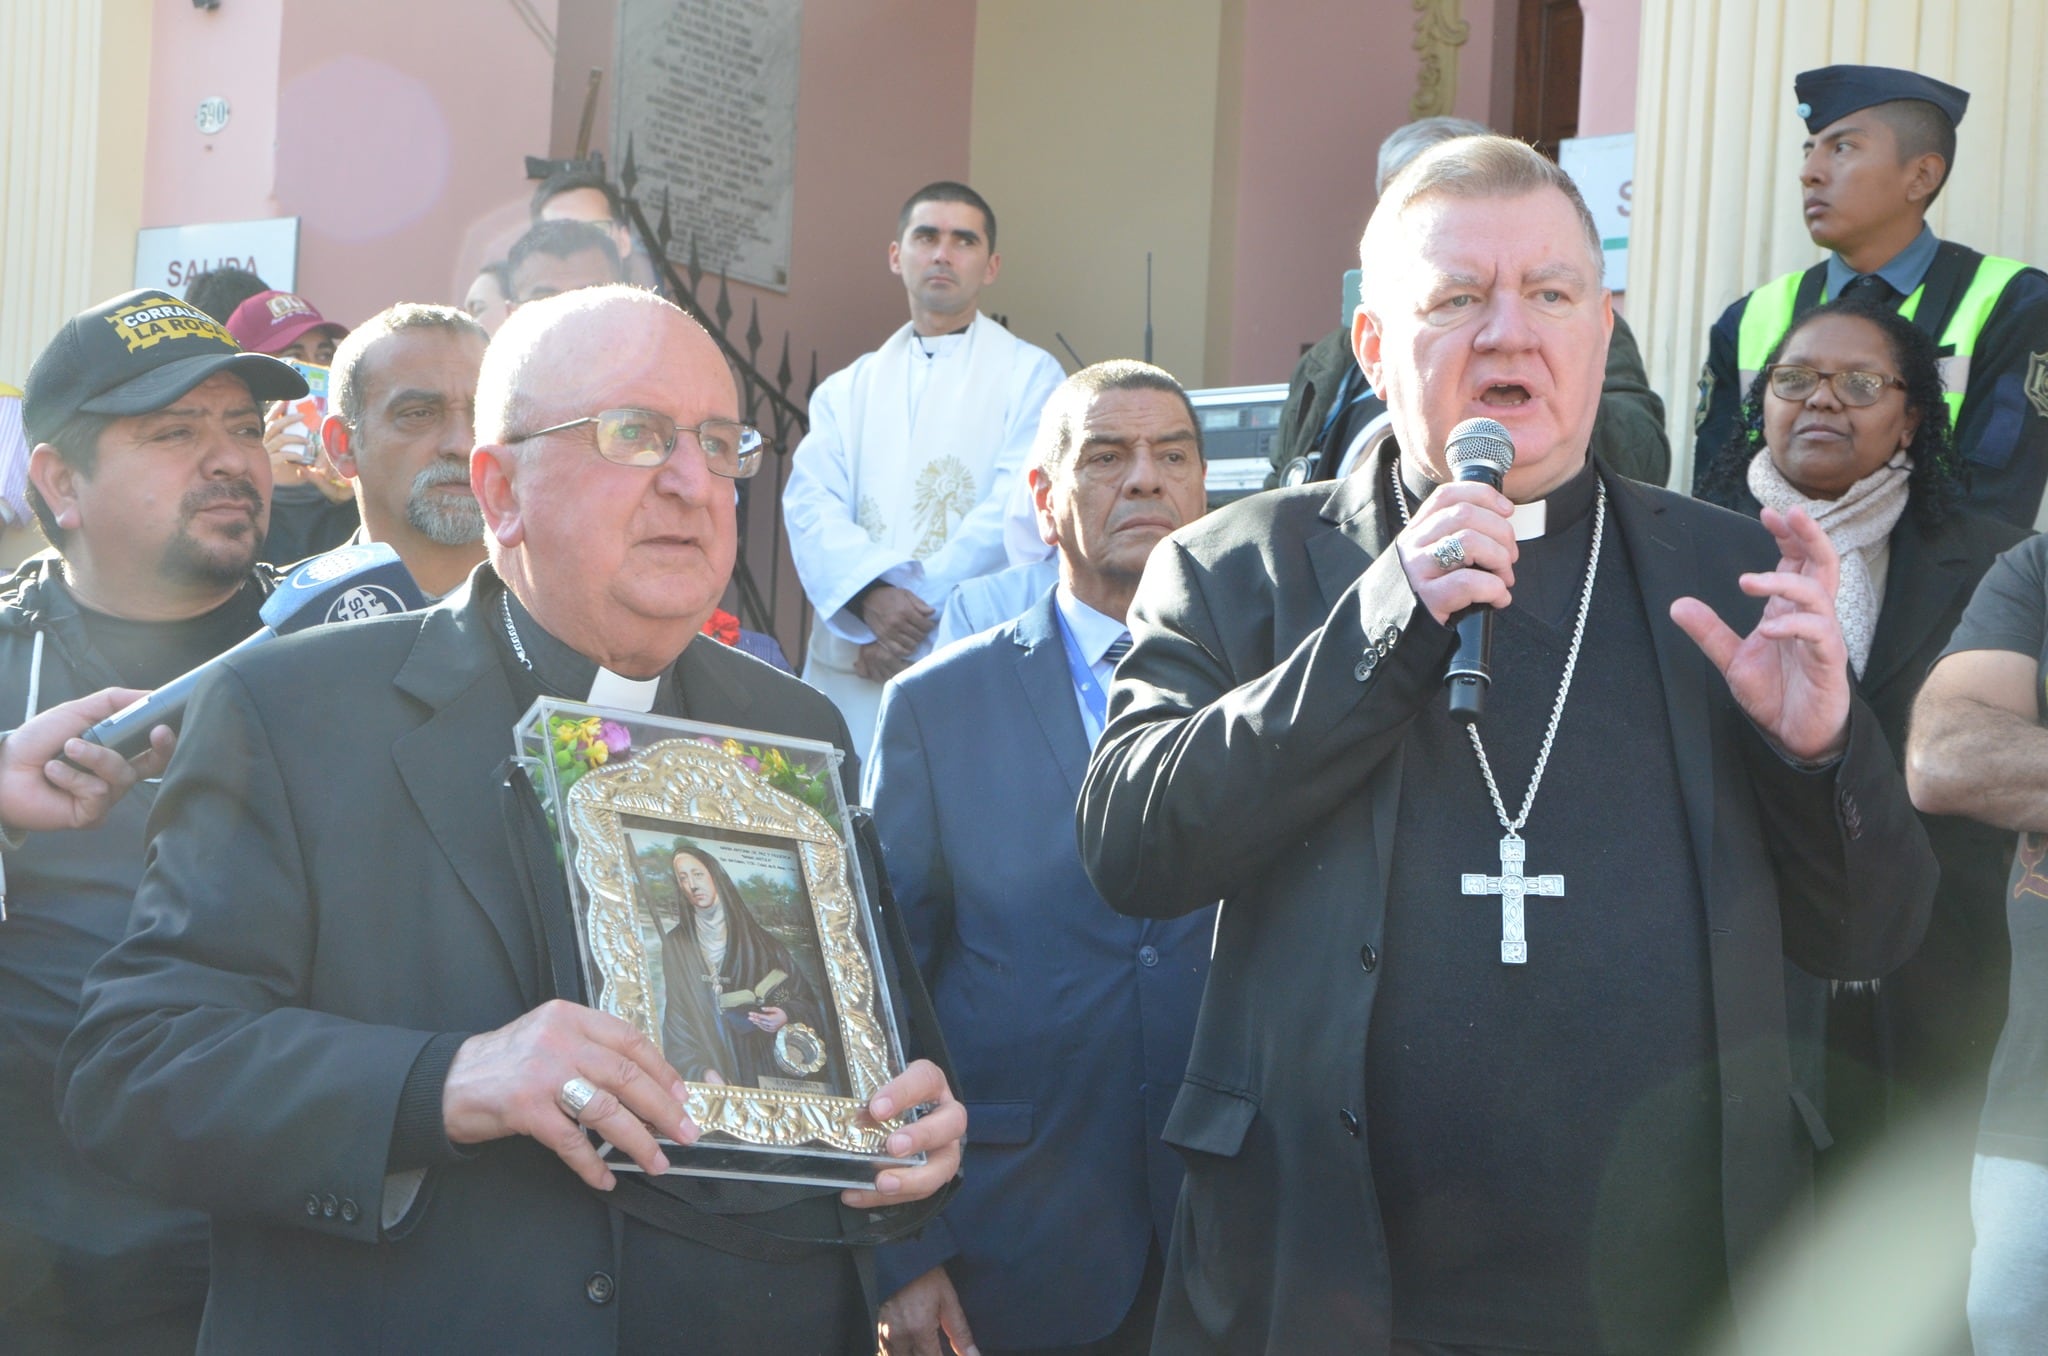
1069	348
589	112
1148	306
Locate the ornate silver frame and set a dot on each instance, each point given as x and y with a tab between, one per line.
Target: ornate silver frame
696	778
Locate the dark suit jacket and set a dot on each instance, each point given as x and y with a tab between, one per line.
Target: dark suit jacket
1940	1013
1068	1023
330	887
1254	752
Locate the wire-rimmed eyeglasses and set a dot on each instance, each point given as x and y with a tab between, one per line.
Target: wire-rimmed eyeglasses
1792	381
632	437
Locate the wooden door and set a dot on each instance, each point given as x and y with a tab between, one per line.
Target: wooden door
1549	38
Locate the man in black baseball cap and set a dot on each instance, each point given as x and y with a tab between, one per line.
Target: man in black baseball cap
1880	145
149	476
137	353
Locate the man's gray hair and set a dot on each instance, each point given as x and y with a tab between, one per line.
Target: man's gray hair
1470	167
344	384
1066	410
1411	139
512	361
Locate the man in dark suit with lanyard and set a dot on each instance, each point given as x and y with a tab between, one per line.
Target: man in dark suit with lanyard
1881	144
337	1021
1069	1024
1493	1052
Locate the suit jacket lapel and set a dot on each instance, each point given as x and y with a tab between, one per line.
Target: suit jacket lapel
454	669
1926	570
1667	566
710	692
1340	556
1048	686
1359	533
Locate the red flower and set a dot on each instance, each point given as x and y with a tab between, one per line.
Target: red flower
723	627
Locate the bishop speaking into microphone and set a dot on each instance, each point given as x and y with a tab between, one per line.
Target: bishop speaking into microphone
1494	1051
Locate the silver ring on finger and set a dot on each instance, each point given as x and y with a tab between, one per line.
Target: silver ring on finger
576	1094
1449	554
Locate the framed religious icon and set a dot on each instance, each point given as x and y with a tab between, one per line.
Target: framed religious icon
720	908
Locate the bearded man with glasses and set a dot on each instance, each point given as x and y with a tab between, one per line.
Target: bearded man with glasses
288	1037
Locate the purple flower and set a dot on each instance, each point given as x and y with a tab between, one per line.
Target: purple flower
751	763
617	738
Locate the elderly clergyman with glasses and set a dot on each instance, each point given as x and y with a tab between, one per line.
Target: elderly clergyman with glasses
332	1025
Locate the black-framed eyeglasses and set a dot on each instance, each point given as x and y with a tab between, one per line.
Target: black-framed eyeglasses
1791	381
648	438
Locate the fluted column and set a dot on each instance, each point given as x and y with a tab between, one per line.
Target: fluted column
1717	151
74	87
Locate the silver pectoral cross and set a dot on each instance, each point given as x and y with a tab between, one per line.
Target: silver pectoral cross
1512	886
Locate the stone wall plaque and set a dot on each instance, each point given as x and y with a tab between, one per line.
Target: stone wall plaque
707	91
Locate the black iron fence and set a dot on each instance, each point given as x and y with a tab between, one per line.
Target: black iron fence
766	402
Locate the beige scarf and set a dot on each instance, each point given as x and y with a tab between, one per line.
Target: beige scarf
1858	524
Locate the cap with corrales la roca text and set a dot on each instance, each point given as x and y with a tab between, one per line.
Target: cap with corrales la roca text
138	353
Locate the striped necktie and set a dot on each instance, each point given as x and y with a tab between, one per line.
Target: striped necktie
1118	648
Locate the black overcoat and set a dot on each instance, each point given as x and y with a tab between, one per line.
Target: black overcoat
1254	755
331	887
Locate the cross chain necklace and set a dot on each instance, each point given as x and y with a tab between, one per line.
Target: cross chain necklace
1512	885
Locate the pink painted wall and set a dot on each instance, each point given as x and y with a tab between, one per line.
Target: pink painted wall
1323	85
401	126
395	131
1607	70
197	54
883	107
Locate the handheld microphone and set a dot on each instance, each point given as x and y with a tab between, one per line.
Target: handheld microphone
348	584
1479	449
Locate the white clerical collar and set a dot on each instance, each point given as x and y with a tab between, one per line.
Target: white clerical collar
617	690
562	671
1531	520
1096	631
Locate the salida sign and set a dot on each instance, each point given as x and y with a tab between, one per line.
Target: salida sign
169	256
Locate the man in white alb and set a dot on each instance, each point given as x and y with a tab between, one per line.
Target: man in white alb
897	492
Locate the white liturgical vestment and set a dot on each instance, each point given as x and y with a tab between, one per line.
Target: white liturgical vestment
904	477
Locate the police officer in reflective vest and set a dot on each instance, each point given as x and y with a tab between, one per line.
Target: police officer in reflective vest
1880	145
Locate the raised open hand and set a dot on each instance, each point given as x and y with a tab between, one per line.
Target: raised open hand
1790	674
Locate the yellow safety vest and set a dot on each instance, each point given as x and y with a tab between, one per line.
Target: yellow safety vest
1768	315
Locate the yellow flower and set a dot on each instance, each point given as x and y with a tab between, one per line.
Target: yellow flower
596	752
731	748
573	732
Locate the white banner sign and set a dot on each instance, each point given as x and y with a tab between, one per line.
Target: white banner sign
1604	168
167	256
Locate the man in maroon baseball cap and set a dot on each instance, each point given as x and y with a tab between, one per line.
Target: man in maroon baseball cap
312	506
286	325
148	474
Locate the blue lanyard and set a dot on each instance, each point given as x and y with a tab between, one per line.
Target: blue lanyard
1083	675
1350	391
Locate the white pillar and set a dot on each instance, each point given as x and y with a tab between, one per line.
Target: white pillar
1717	151
74	87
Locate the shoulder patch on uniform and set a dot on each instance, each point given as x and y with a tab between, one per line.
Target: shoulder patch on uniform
2036	385
1699	411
